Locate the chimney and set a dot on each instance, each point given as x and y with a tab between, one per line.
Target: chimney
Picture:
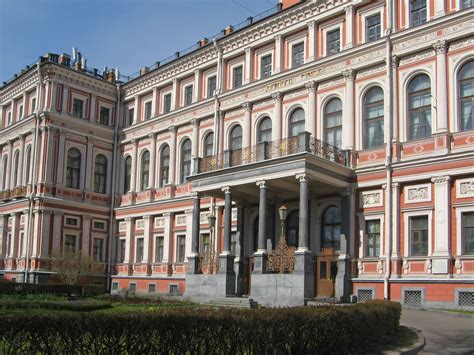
110	76
202	42
228	30
65	59
284	4
144	70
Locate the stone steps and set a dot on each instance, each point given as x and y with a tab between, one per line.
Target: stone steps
235	302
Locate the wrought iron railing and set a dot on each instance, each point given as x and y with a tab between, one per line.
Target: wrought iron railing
272	150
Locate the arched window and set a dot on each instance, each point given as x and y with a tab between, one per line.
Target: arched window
292	228
4	173
164	165
235	141
419	107
73	170
100	174
373	118
208	145
128	174
185	160
466	96
145	171
16	159
331	228
264	133
297	122
27	167
333	122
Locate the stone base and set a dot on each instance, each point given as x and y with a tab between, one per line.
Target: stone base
193	264
342	285
207	287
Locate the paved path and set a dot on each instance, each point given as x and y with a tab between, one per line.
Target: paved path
444	333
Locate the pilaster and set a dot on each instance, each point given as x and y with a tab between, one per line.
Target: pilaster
311	120
247	125
86	235
276	131
442	201
172	169
312	35
248	65
278	54
348	118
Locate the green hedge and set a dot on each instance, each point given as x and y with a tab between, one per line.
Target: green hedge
300	330
77	305
11	288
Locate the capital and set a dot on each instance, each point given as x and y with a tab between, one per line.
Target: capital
441	179
172	129
195	195
277	38
395	60
220	115
247	106
226	189
311	24
248	50
134	141
152	135
262	184
348	74
349	9
440	47
301	177
195	122
311	86
277	96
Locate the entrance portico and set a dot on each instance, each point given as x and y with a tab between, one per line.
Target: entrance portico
261	188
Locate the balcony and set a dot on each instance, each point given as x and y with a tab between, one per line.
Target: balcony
303	143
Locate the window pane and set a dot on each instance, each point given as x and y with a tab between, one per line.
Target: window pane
419	236
373	28
266	66
167	103
333	43
211	86
298	54
237	77
468	233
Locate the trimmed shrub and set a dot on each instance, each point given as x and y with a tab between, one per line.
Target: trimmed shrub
301	330
77	306
11	288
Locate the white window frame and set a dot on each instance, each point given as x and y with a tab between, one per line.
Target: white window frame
301	38
76	218
407	231
32	107
108	156
9	117
408	12
363	219
155	244
136	249
120	249
81	149
330	28
76	234
260	55
369	13
102	256
240	63
182	235
84	99
162	101
100	221
206	77
459	228
21	111
184	86
145	102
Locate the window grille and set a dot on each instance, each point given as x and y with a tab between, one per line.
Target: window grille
466	298
412	297
365	295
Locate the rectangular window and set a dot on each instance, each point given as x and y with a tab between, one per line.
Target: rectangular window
131	113
204	244
133	286
372	30
468	233
115	286
104	115
417	12
333	42
33	104
121	251
97	249
77	107
71	221
188	95
211	86
467	3
139	253
99	225
297	55
151	288
69	243
159	249
20	244
147	110
9	120
419	235
372	230
20	112
181	248
266	66
237	77
167	103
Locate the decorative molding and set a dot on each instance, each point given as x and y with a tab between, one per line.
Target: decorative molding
417	193
159	222
465	188
181	220
440	47
349	74
140	224
247	106
311	86
372	198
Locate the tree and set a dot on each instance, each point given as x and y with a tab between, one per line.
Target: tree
70	266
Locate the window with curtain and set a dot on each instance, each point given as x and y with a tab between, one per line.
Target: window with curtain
185	160
164	165
419	107
297	122
333	122
419	235
466	96
331	228
73	168
235	141
128	174
208	145
100	174
145	171
264	130
373	118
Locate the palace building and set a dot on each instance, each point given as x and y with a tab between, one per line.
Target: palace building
320	150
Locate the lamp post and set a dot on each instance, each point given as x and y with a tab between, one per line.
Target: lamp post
211	220
283	212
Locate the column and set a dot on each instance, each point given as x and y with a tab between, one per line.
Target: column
311	40
195	146
86	235
61	158
395	220
36	233
227	220
24	242
278	54
25	105
248	65
93	116
89	164
57	230
136	113
311	120
197	85
50	157
175	95
128	241
349	27
153	173
395	62
45	234
247	124
3	235
442	233
9	165
148	225
172	172
303	214
196	223
12	253
21	161
348	112
154	102
262	213
342	284
276	131
441	87
2	119
133	177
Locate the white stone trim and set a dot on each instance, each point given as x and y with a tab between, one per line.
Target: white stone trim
263	53
459	227
140	224
373	198
407	228
232	65
465	188
324	31
407	13
205	83
300	38
162	100
417	193
363	218
369	13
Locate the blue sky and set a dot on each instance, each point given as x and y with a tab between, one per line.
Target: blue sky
126	34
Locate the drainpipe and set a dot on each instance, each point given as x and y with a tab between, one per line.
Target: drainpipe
219	84
388	153
115	176
34	176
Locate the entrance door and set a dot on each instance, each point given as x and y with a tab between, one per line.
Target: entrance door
326	273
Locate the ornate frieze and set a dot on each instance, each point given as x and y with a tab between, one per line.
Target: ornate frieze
416	57
140	224
373	198
19	86
417	193
181	220
122	227
465	188
159	222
